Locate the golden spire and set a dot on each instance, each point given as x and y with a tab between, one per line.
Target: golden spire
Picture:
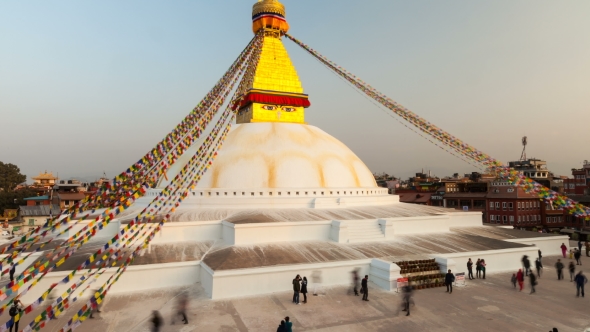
276	94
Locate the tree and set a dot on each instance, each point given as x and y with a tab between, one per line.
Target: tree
10	177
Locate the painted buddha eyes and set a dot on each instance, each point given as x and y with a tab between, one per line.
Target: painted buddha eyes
275	107
269	107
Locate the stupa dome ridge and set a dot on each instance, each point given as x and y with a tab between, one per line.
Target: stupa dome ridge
268	6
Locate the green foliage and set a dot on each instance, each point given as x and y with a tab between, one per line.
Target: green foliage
10	176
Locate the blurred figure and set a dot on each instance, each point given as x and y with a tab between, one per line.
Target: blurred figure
513	280
580	280
539	267
559	268
12	271
577	256
520	279
563	249
95	307
533	280
572	268
526	264
181	308
355	282
156	321
316	277
407	289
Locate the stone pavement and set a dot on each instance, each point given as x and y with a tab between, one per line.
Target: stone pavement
482	305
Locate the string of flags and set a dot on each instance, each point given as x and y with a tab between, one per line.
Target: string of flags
449	140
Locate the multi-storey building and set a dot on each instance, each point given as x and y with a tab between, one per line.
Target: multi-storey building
510	205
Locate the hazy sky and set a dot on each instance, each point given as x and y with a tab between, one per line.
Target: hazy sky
87	87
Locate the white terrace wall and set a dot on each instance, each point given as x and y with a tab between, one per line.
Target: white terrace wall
189	231
496	260
550	245
135	278
244	234
256	281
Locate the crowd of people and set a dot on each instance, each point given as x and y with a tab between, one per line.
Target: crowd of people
579	278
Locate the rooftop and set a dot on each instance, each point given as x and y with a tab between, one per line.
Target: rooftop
37	198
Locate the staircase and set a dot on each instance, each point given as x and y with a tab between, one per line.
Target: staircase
364	231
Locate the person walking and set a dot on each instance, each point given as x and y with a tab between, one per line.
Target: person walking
449	279
470	269
513	280
288	324
538	267
533	280
526	264
580	280
483	268
587	248
15	313
478	268
156	321
304	289
572	268
540	256
577	256
559	267
580	245
407	298
563	249
520	279
365	288
296	289
355	282
181	308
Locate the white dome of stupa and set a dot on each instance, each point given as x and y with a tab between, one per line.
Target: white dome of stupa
285	155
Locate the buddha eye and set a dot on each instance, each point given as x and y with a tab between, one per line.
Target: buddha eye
289	109
269	107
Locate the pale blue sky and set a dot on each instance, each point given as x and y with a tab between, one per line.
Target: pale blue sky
91	86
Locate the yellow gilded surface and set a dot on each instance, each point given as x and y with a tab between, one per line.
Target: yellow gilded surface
275	71
257	112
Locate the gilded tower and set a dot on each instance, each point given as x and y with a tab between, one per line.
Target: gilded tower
275	94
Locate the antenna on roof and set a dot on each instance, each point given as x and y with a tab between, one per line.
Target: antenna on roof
523	154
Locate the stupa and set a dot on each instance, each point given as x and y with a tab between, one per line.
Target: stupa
284	197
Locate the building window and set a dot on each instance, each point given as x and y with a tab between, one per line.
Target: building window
491	218
504	219
510	190
510	205
31	222
497	205
519	205
511	220
491	205
504	206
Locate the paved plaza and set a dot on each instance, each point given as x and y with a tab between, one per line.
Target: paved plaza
483	305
